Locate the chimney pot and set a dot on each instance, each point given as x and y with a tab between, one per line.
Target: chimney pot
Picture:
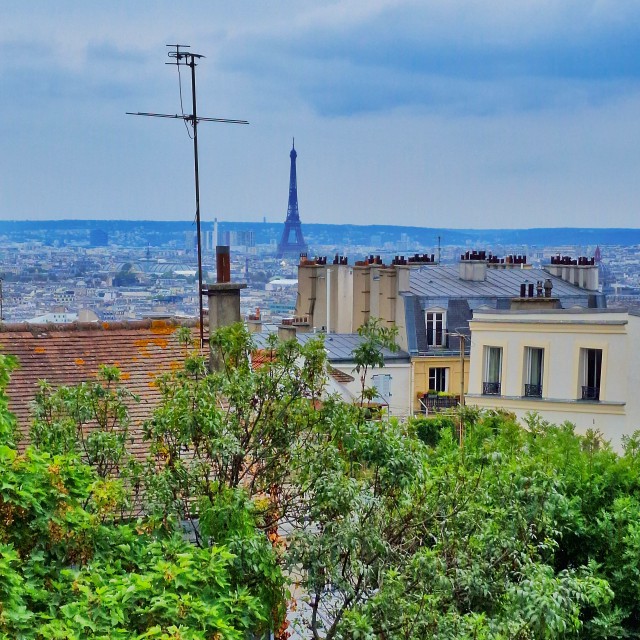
223	264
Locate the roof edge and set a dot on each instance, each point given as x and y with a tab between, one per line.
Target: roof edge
22	327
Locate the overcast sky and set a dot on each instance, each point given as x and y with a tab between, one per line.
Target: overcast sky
475	113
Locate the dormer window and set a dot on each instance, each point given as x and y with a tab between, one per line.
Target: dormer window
436	328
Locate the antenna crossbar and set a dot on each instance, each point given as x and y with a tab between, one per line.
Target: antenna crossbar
188	118
186	58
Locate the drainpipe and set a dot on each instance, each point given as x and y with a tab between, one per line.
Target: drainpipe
328	272
463	340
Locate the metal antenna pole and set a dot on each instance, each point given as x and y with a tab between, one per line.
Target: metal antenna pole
185	58
192	64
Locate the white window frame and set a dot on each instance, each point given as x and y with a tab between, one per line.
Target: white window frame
431	339
488	350
446	378
529	366
488	369
584	371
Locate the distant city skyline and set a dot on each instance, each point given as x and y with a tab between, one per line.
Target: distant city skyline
423	113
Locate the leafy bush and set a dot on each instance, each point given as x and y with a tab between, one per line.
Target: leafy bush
429	430
522	532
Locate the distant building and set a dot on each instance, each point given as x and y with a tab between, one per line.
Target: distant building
235	238
54	318
281	284
98	238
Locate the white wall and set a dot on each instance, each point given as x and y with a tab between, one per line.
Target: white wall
400	399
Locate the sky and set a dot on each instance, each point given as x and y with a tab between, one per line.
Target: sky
435	113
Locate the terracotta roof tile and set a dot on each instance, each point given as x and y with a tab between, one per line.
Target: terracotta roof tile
340	376
70	354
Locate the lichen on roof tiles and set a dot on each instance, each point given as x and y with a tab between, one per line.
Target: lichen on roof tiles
66	355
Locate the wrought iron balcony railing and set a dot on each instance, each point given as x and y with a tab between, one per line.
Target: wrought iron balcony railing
533	390
438	403
591	393
491	388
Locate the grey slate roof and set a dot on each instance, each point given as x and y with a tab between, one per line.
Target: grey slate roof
440	286
339	346
445	281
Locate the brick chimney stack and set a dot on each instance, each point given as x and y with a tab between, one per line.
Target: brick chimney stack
223	298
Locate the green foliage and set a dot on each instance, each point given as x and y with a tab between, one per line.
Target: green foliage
72	568
525	532
8	430
126	277
368	354
428	430
91	419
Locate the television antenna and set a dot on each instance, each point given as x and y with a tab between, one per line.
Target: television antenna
184	58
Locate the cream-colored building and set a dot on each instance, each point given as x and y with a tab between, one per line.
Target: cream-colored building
575	364
431	304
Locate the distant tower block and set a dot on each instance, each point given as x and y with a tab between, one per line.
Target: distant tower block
292	243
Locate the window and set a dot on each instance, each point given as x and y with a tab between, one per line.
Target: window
492	371
438	378
591	371
534	359
436	328
382	384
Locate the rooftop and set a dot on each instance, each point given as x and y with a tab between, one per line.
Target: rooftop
445	281
339	346
67	354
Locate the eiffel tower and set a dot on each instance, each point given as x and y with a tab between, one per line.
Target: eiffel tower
288	246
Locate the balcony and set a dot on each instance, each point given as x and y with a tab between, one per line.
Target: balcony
430	403
591	393
490	388
533	391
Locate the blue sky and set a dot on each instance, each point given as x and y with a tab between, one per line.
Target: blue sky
436	113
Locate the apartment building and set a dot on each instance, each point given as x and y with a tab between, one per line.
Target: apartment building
575	364
431	304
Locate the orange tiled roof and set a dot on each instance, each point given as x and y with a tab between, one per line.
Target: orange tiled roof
340	376
72	353
260	357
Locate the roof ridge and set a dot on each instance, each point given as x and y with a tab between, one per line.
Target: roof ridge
148	323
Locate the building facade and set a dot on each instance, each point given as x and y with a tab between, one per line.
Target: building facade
575	365
431	304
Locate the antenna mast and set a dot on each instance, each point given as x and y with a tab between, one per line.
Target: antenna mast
188	59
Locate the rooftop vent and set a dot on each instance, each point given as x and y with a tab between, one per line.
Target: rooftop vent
581	272
536	296
519	261
416	258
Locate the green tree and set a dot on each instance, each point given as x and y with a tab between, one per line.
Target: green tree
72	568
369	353
126	277
384	529
91	419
